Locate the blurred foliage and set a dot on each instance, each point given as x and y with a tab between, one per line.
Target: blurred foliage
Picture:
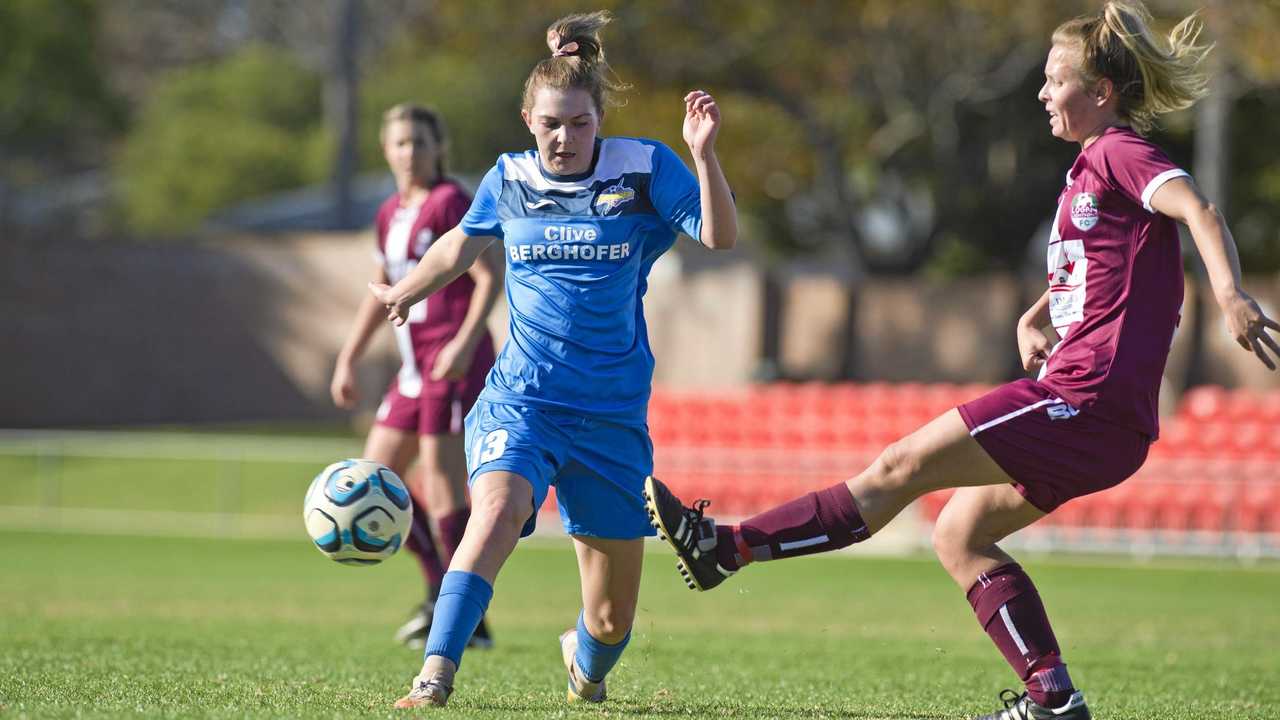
228	131
875	136
53	94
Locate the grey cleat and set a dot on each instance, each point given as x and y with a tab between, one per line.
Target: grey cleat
1022	707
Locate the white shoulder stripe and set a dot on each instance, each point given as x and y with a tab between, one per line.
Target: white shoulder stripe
1156	182
618	157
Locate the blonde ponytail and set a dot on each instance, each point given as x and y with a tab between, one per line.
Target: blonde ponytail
1152	75
577	60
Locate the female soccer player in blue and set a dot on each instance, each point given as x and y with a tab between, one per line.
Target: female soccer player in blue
582	220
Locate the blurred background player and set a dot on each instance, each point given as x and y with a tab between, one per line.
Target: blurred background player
445	348
1017	453
582	219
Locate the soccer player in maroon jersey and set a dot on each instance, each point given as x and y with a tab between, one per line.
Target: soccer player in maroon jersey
1017	453
445	348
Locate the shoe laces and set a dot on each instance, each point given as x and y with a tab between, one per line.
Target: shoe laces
703	529
423	688
1011	699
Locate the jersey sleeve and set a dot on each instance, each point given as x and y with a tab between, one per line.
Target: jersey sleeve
1138	168
674	192
482	218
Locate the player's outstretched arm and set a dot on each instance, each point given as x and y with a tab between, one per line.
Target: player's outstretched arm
446	259
1181	200
719	215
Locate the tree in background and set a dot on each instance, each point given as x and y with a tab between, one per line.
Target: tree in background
232	130
56	110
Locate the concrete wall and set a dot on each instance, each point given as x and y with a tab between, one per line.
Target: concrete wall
247	329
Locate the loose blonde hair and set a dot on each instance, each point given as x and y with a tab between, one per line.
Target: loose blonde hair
419	115
577	61
1152	75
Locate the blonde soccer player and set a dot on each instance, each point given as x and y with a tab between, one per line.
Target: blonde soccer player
1114	293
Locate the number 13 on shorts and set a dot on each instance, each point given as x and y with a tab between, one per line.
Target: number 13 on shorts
488	448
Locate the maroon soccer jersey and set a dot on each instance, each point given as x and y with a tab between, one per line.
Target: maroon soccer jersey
404	234
1115	282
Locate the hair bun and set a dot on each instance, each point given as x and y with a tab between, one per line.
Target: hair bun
565	50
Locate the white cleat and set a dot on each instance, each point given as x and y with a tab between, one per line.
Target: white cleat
580	689
432	687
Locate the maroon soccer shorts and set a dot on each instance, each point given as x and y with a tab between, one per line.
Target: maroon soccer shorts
440	406
1052	451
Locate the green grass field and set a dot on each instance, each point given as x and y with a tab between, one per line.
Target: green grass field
112	626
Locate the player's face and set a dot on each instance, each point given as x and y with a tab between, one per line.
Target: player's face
411	151
1075	111
564	123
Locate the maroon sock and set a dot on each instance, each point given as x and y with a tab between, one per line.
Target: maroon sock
817	522
451	527
1009	609
423	547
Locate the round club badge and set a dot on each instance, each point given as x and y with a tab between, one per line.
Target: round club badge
1084	211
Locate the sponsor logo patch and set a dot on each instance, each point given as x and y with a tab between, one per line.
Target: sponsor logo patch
1062	411
1084	210
614	197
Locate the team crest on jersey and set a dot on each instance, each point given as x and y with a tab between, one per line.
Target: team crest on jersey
614	197
420	243
1084	211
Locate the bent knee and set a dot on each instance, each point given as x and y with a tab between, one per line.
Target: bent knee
499	514
609	625
951	542
898	463
958	544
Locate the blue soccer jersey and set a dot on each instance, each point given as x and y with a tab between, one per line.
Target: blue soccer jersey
579	249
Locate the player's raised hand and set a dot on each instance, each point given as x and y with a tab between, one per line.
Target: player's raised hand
397	310
1248	325
701	122
1033	347
453	360
343	386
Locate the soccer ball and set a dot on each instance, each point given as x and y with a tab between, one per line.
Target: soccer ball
358	512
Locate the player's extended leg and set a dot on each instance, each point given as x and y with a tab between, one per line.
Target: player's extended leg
501	502
940	454
610	572
396	449
1005	600
444	483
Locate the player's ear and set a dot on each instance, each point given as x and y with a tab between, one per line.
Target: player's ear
528	119
1103	91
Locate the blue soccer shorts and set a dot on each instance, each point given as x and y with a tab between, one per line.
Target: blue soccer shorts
597	467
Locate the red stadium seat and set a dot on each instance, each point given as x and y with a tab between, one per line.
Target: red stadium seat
1206	402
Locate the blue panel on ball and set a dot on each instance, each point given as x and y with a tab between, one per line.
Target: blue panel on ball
344	493
394	491
329	542
368	543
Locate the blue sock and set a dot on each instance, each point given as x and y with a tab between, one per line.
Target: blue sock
595	659
463	599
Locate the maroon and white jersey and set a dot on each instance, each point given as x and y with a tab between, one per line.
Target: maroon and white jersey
1115	281
404	234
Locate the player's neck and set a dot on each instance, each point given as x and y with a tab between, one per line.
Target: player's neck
1101	130
413	195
